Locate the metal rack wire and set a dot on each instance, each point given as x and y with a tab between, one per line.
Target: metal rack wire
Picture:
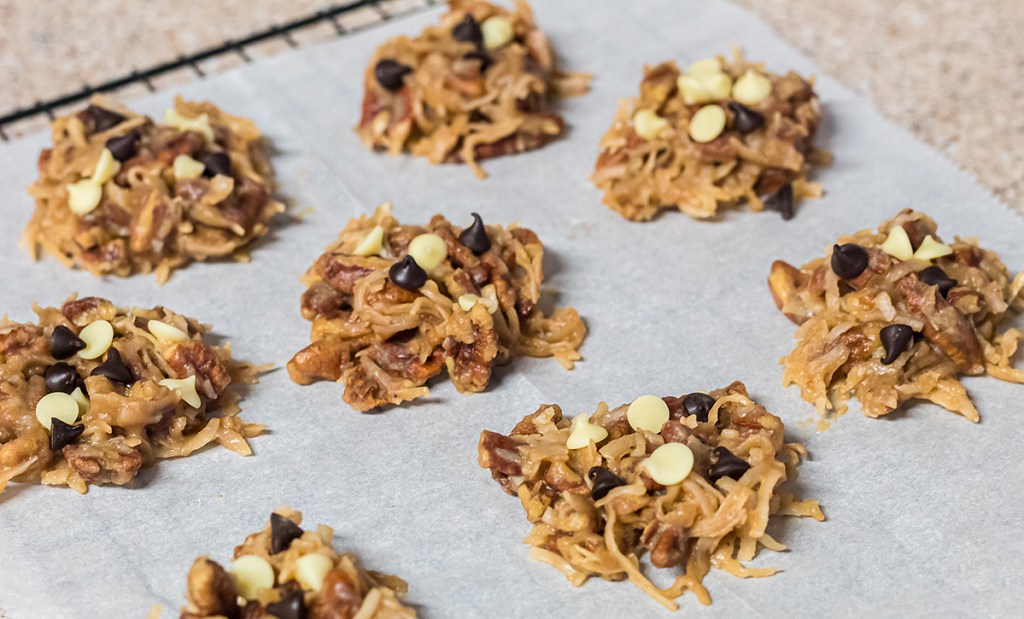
383	10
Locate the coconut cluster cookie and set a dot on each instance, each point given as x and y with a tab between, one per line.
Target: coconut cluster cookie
478	85
94	392
691	480
119	193
896	314
285	572
719	134
393	305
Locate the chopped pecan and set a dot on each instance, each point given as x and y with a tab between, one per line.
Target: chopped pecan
667	543
946	327
81	312
211	590
195	358
112	461
339	598
322	360
499	453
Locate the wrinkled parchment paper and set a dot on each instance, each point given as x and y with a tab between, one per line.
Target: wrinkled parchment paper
924	508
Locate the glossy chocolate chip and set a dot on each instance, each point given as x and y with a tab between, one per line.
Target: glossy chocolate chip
124	147
282	532
781	201
114	369
216	163
61	378
745	119
895	339
485	60
407	274
698	404
935	276
727	465
603	480
475	236
468	31
64	342
62	434
102	119
291	606
849	260
390	73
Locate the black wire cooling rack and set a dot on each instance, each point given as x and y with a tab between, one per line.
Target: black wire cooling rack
382	10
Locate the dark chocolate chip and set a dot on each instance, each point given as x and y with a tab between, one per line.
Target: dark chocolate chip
124	147
216	163
102	119
475	236
390	73
114	369
64	342
604	480
62	434
727	465
407	274
698	404
895	339
781	201
62	378
849	260
291	606
745	119
935	276
282	532
485	60
468	31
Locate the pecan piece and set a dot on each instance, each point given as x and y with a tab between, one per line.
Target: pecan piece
112	461
211	591
195	358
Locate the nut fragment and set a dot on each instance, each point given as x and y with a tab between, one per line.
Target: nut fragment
186	388
97	336
186	167
497	31
648	412
428	250
165	333
311	569
751	88
59	405
707	123
84	196
931	249
199	124
898	244
106	167
583	432
371	244
251	573
669	464
648	125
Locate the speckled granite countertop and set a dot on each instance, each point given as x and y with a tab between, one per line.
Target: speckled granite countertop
949	72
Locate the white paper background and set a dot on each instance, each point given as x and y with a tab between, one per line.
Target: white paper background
924	507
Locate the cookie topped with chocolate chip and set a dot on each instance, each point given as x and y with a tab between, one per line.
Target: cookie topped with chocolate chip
896	314
718	134
480	84
119	193
393	305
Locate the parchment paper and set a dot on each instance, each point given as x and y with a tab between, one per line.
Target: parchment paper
924	508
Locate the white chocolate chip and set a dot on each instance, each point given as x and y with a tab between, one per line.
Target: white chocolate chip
165	333
704	88
311	569
106	167
497	31
186	388
187	167
751	88
898	244
428	250
83	401
467	301
372	243
59	405
705	66
490	298
648	125
251	573
931	249
97	336
707	123
84	196
199	124
583	432
648	412
669	464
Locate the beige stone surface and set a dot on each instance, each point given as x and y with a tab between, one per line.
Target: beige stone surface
951	71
